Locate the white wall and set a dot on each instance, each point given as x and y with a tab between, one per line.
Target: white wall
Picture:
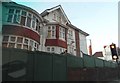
83	43
69	42
57	50
58	14
107	53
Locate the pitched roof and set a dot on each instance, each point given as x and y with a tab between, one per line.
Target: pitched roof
82	32
47	11
98	54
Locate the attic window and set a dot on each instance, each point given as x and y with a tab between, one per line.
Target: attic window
54	16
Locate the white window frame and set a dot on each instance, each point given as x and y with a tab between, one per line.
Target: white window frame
51	32
62	33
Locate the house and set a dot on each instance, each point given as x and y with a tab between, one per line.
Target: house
62	35
51	31
99	55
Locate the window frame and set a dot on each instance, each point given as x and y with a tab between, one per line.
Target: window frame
51	32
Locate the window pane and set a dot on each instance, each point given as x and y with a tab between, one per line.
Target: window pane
26	41
63	30
63	35
4	44
28	22
53	27
11	10
33	24
5	38
11	45
48	49
16	18
19	46
19	40
23	20
37	27
30	48
17	12
24	13
9	18
49	28
12	39
31	43
53	49
53	33
35	44
49	34
25	47
29	15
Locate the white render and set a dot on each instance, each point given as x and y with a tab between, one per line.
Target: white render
107	53
71	42
55	16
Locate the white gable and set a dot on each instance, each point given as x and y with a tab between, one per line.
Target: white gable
56	14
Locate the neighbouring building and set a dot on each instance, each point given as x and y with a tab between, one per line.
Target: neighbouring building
99	55
22	27
50	31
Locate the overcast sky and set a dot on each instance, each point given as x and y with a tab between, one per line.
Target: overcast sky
98	18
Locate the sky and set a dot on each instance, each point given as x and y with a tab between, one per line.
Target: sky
97	18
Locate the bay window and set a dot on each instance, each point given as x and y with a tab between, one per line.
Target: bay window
51	32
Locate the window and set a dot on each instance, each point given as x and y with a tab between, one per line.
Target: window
60	19
23	18
25	47
33	22
4	44
19	39
31	45
70	34
54	17
37	25
52	49
19	46
10	15
26	41
28	20
9	18
11	11
35	46
48	49
17	16
12	39
62	33
60	50
24	13
51	32
11	45
5	38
